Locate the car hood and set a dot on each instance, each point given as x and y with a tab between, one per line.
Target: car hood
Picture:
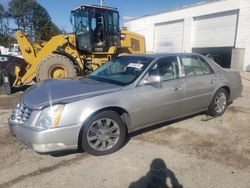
64	91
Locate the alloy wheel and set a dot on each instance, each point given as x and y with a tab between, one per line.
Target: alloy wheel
103	134
220	102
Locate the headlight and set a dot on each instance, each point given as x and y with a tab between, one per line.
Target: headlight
50	117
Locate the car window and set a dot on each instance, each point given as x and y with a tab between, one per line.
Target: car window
206	68
193	66
167	68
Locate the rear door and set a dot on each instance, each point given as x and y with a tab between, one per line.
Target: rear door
199	83
159	101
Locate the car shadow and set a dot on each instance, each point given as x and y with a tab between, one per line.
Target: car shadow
158	176
65	153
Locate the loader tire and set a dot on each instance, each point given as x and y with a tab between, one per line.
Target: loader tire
55	66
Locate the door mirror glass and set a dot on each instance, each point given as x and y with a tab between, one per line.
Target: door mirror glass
150	79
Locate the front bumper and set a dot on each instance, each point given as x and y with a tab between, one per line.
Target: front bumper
46	141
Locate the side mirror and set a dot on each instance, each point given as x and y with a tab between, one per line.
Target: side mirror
150	79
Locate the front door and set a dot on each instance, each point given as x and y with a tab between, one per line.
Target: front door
159	101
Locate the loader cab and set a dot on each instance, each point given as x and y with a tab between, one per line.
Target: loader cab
96	28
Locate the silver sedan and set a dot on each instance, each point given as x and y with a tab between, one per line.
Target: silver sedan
124	95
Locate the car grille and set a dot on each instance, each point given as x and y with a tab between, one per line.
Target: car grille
21	114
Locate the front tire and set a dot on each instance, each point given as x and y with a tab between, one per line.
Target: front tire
219	103
103	134
56	66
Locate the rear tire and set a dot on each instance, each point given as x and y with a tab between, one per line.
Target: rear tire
219	103
103	134
55	66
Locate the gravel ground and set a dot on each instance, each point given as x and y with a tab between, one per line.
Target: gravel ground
192	152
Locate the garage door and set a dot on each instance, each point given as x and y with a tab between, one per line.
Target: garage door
169	36
215	30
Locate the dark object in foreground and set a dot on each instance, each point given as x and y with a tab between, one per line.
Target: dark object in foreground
4	83
8	66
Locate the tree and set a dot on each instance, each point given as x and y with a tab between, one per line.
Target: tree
5	32
33	19
6	40
42	23
1	18
1	9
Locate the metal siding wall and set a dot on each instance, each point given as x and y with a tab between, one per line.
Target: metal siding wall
143	27
197	11
217	30
243	34
148	34
169	36
237	61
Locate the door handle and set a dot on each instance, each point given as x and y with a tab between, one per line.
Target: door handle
177	88
212	81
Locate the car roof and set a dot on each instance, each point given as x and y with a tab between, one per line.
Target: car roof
158	55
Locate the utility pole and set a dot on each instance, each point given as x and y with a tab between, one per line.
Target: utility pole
101	2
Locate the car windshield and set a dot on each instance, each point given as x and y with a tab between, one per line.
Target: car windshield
122	70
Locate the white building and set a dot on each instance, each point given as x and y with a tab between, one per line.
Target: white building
219	27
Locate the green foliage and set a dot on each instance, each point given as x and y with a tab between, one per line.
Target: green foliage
6	40
1	10
1	17
33	19
5	35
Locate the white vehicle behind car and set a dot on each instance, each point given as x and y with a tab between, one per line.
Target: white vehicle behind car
14	50
3	50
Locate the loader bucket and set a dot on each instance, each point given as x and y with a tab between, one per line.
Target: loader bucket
5	87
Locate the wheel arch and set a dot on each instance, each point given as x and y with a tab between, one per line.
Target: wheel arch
226	87
125	116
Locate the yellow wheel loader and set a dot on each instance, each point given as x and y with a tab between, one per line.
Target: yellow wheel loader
97	38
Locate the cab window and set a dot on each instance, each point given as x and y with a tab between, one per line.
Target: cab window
113	22
167	68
